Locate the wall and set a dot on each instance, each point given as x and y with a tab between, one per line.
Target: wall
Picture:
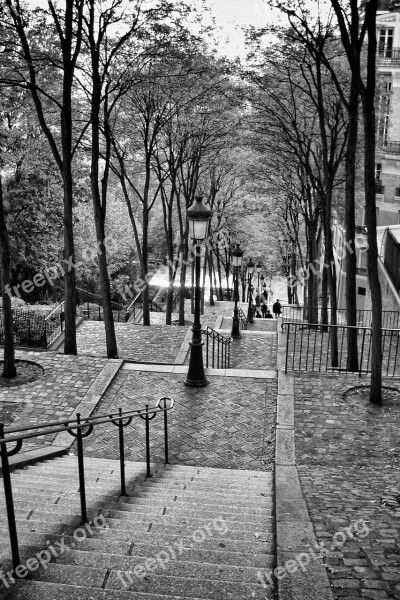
390	298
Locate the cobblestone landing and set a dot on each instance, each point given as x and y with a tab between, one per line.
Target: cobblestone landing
228	424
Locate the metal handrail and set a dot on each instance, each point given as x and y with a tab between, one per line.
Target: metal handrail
312	352
390	318
52	333
76	428
131	308
220	348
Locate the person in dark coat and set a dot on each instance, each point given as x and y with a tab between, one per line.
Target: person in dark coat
268	315
264	309
276	308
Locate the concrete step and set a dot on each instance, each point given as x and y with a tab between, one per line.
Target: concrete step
28	590
189	586
110	551
186	533
116	541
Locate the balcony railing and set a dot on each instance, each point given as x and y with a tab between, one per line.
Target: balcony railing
388	55
388	147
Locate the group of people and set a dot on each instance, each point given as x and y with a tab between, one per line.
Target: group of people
261	308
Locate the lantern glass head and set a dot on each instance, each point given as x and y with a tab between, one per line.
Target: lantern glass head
250	267
237	256
259	267
199	217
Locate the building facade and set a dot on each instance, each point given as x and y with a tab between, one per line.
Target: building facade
387	160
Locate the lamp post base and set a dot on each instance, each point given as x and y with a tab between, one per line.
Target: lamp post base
235	333
196	382
195	376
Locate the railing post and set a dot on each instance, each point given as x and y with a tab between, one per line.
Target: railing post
12	528
81	468
147	442
287	345
121	453
166	460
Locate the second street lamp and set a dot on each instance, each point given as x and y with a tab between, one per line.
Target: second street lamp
250	271
199	217
258	267
237	257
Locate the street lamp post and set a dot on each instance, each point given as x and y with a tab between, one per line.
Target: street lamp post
199	217
258	267
250	271
237	257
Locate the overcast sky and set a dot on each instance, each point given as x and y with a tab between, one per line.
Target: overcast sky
232	15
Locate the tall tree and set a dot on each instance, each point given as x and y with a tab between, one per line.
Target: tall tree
30	70
9	369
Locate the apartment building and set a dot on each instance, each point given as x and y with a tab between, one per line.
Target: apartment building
387	160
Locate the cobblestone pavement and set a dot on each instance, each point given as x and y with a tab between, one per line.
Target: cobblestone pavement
254	351
211	314
228	424
135	342
65	382
348	455
257	325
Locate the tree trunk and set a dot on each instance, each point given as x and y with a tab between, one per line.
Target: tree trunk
312	282
99	200
9	369
351	264
370	208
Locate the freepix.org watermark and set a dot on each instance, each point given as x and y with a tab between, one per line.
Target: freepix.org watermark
303	273
357	529
44	557
89	254
171	552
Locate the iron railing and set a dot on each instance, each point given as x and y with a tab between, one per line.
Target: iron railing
134	306
94	312
89	305
54	323
388	147
309	348
79	428
218	349
34	329
291	312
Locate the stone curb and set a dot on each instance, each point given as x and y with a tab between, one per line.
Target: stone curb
301	575
184	349
91	398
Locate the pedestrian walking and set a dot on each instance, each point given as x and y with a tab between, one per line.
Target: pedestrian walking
264	309
276	308
265	295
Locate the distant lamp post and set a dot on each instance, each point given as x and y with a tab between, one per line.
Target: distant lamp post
237	257
250	271
199	217
258	267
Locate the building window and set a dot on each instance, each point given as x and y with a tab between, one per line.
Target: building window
362	291
385	43
384	88
378	172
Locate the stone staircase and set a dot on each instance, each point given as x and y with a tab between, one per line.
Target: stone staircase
186	532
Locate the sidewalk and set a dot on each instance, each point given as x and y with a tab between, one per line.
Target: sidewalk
337	487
